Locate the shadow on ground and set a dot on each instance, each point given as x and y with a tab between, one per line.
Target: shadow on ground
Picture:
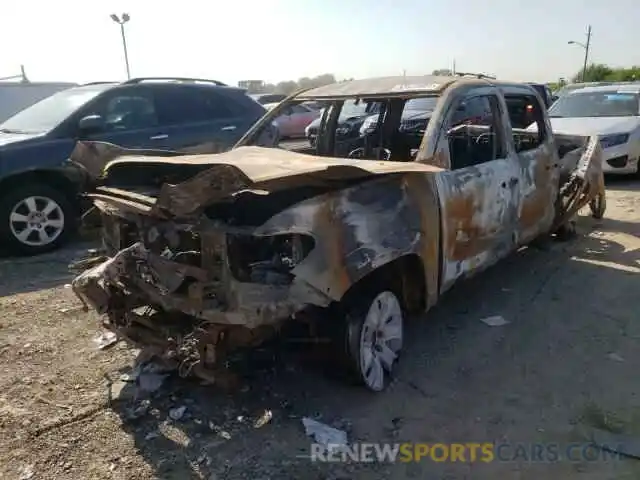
459	379
49	270
623	182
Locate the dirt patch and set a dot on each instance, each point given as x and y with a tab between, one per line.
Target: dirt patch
567	359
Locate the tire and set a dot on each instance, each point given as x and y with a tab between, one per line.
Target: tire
47	232
598	206
373	337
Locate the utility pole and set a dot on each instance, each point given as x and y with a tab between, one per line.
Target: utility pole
586	53
586	47
121	21
453	71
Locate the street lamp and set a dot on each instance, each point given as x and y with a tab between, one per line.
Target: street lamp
586	51
121	21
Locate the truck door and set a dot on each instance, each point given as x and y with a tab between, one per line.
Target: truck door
537	161
479	194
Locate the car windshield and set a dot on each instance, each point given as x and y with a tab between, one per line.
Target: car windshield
353	108
609	103
424	104
48	113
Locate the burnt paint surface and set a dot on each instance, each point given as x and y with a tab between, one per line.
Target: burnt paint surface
457	222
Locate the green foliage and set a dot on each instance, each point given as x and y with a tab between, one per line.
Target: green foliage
598	72
290	86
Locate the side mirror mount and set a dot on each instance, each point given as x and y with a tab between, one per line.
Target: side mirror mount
91	124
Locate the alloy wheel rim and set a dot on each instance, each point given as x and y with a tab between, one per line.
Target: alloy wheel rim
36	221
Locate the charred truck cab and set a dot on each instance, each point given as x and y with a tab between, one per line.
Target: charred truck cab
210	252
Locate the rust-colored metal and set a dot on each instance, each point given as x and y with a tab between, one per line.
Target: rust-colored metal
255	236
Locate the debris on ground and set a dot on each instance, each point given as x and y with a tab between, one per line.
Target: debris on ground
615	357
177	413
148	376
139	411
494	321
325	435
26	472
122	391
223	433
151	435
105	339
264	419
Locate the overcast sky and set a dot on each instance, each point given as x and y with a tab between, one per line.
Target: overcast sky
75	40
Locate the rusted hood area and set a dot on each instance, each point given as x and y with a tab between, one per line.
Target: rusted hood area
212	177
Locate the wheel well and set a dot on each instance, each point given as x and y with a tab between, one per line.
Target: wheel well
46	177
404	276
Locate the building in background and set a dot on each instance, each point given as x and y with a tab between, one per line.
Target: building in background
252	86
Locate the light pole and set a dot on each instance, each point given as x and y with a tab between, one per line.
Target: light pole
121	21
586	50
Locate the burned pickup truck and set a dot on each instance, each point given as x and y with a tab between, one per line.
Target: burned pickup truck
209	253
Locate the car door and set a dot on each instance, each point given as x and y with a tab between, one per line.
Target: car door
300	118
537	162
478	194
195	115
129	118
285	122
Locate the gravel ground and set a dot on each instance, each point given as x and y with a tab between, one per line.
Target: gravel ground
564	363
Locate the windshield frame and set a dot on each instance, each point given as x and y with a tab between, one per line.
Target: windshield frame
22	122
571	100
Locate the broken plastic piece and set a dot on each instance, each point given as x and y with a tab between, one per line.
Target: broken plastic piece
325	435
105	339
495	321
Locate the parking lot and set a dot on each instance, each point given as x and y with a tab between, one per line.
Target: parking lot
565	362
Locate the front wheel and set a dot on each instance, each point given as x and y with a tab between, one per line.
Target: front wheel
598	206
374	336
35	218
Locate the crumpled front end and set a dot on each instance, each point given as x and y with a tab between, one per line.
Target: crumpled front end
211	253
164	301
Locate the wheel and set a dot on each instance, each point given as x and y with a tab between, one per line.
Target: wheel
374	333
598	206
35	218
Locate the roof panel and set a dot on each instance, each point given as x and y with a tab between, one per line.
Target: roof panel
381	86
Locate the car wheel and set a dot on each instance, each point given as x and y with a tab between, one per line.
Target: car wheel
598	206
374	332
35	218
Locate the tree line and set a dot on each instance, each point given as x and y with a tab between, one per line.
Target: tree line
600	72
596	72
290	86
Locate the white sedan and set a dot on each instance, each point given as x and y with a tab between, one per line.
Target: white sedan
294	119
610	111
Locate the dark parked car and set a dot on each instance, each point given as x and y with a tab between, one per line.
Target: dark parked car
39	189
544	92
266	98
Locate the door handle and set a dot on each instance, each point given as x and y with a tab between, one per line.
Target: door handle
228	128
159	137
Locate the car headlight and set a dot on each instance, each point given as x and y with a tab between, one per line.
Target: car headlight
613	140
369	125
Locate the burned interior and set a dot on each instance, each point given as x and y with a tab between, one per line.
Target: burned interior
205	253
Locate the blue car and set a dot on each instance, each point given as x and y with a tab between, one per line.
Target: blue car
39	189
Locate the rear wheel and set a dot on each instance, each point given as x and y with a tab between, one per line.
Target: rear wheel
35	218
374	337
